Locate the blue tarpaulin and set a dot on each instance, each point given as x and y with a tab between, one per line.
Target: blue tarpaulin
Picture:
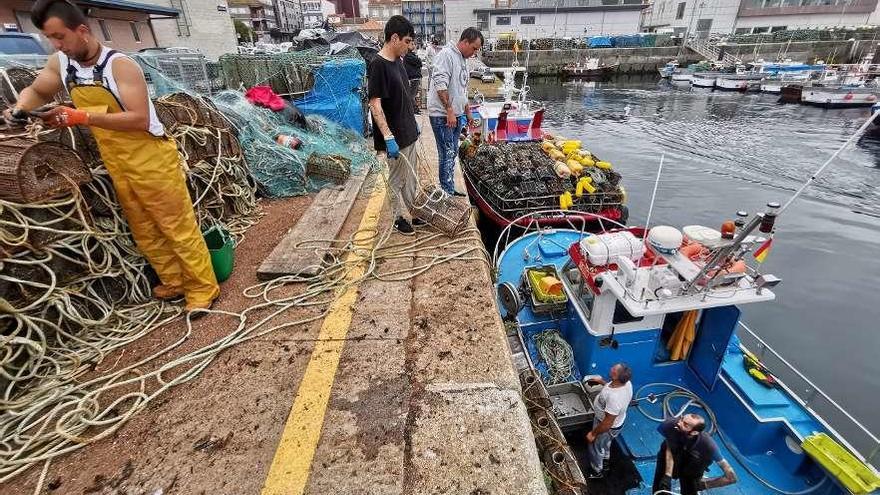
600	42
627	41
336	95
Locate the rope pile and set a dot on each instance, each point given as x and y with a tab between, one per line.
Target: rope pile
75	399
74	287
557	354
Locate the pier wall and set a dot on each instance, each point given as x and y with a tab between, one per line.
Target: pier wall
646	60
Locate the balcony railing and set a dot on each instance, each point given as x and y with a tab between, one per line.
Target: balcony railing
751	8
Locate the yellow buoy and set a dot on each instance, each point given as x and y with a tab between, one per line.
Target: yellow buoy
604	165
565	201
584	184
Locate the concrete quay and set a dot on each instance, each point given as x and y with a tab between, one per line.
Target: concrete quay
405	387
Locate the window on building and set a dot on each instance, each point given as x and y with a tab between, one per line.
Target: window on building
679	13
759	30
526	19
105	30
502	21
182	19
742	30
778	28
238	10
134	32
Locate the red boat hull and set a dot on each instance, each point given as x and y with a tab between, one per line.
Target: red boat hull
610	213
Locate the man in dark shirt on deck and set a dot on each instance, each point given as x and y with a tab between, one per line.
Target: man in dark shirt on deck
395	130
686	454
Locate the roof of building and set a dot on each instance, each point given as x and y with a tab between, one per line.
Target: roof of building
371	25
129	6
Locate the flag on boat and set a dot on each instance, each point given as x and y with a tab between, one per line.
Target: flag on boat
762	252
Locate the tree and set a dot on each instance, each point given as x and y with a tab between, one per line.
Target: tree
244	32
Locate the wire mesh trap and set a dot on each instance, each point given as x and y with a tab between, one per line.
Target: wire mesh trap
336	168
440	210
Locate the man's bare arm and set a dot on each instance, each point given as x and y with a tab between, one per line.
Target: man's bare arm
605	424
379	117
670	461
44	88
135	98
443	95
728	478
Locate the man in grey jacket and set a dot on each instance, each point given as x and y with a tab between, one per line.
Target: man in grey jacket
448	102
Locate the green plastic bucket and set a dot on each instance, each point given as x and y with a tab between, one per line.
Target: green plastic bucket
222	249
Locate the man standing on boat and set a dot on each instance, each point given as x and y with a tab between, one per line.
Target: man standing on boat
448	102
686	454
609	410
395	129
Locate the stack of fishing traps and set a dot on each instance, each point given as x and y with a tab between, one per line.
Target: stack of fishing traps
519	178
70	270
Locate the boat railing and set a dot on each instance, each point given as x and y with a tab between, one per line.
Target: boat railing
812	398
531	222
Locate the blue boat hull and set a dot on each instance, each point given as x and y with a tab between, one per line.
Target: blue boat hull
760	429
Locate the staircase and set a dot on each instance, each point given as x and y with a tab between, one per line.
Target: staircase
711	52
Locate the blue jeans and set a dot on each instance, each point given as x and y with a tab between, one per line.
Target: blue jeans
447	150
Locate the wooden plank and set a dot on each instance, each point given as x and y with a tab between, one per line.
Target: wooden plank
323	219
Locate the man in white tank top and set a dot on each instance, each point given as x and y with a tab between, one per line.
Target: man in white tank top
111	98
609	408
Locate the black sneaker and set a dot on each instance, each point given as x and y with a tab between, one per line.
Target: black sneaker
418	222
595	476
403	227
458	193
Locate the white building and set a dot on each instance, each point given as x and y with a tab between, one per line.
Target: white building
315	11
568	18
459	15
702	17
289	17
382	10
203	24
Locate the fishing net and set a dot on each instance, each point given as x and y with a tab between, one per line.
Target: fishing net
334	130
281	171
288	74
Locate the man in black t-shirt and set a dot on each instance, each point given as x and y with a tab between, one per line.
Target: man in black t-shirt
395	129
686	453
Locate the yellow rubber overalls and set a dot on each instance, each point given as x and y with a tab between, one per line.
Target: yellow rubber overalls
151	188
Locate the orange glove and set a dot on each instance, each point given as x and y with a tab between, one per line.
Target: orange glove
62	116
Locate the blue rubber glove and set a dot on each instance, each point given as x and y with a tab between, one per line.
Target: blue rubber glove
462	121
391	146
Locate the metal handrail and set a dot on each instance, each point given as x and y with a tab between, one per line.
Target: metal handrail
816	391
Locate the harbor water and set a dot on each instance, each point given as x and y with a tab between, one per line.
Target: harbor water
736	151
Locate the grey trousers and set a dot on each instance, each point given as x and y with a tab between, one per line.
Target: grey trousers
600	450
402	182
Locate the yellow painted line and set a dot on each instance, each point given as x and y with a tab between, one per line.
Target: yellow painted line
290	468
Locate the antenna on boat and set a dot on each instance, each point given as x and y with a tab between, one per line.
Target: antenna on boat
813	177
654	194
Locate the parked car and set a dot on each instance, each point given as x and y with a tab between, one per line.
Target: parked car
21	44
484	74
